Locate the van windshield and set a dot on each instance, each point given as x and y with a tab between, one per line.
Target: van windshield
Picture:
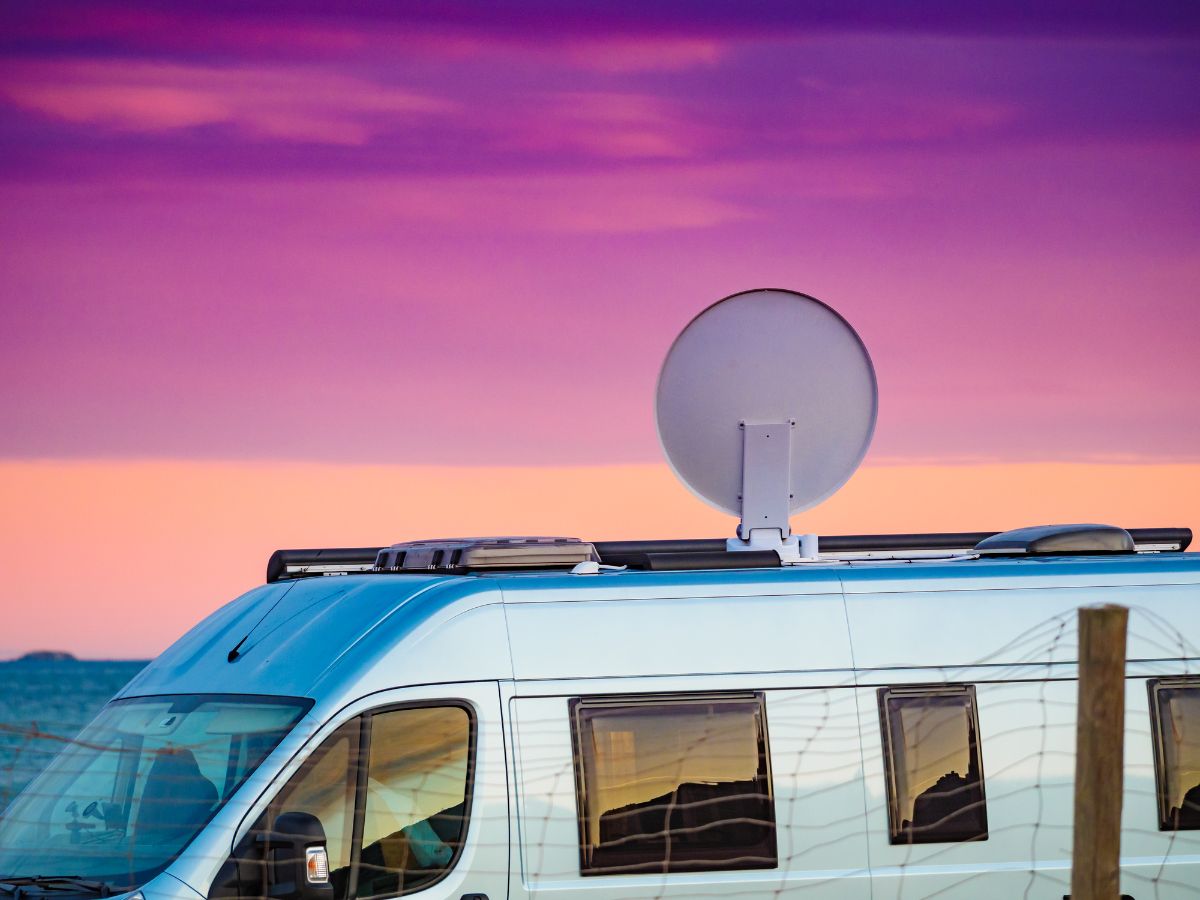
124	799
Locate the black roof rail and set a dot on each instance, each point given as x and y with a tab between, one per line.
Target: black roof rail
708	553
289	563
632	553
1143	537
612	552
703	559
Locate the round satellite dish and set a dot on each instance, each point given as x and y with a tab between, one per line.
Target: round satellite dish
766	358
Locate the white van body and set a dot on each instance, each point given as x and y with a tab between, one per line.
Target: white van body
816	642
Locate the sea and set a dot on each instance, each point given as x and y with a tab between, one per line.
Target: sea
43	705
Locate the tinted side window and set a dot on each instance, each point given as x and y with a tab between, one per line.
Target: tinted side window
325	786
673	784
1175	724
418	782
933	765
394	825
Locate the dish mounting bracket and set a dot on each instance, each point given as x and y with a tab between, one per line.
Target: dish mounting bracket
766	479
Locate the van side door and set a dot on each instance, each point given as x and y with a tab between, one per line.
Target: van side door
699	787
687	739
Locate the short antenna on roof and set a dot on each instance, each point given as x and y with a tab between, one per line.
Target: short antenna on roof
766	405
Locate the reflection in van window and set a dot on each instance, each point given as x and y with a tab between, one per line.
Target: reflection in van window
1175	715
673	784
933	765
418	780
124	798
406	806
324	787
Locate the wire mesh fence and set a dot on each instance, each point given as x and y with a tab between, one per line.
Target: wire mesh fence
943	781
44	705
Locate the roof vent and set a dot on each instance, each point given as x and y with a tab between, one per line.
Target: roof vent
460	554
1047	540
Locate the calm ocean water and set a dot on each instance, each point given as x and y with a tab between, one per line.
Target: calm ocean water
43	704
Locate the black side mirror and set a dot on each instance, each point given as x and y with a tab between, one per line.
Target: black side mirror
289	862
297	859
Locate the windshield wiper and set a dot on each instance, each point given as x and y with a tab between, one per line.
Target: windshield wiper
54	883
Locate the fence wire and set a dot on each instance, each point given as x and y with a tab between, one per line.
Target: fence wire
961	788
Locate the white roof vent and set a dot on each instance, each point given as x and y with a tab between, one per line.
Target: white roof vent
473	554
1048	540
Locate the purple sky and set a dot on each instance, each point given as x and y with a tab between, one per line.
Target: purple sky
467	232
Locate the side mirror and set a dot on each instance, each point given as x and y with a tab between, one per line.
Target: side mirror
297	859
288	863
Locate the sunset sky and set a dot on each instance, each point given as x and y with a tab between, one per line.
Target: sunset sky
286	274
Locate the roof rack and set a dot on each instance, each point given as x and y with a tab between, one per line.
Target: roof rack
702	553
711	553
445	556
622	552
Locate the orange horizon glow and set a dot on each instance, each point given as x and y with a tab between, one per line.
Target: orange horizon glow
115	559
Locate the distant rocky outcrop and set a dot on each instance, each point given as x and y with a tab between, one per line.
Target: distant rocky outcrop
47	656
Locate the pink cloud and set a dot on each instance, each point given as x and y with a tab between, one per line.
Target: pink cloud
605	124
659	54
281	103
257	35
646	200
588	44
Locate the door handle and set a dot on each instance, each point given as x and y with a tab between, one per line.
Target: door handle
474	897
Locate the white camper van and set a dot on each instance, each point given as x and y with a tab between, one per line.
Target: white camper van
768	716
508	719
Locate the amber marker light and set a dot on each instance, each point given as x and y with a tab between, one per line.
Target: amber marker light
317	860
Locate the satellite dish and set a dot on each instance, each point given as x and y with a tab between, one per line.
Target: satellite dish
766	405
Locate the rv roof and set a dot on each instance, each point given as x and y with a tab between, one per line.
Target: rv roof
339	638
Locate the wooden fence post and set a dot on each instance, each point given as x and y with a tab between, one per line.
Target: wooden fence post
1099	753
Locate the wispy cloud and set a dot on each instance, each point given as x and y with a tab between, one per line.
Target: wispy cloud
661	54
291	104
603	124
637	201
